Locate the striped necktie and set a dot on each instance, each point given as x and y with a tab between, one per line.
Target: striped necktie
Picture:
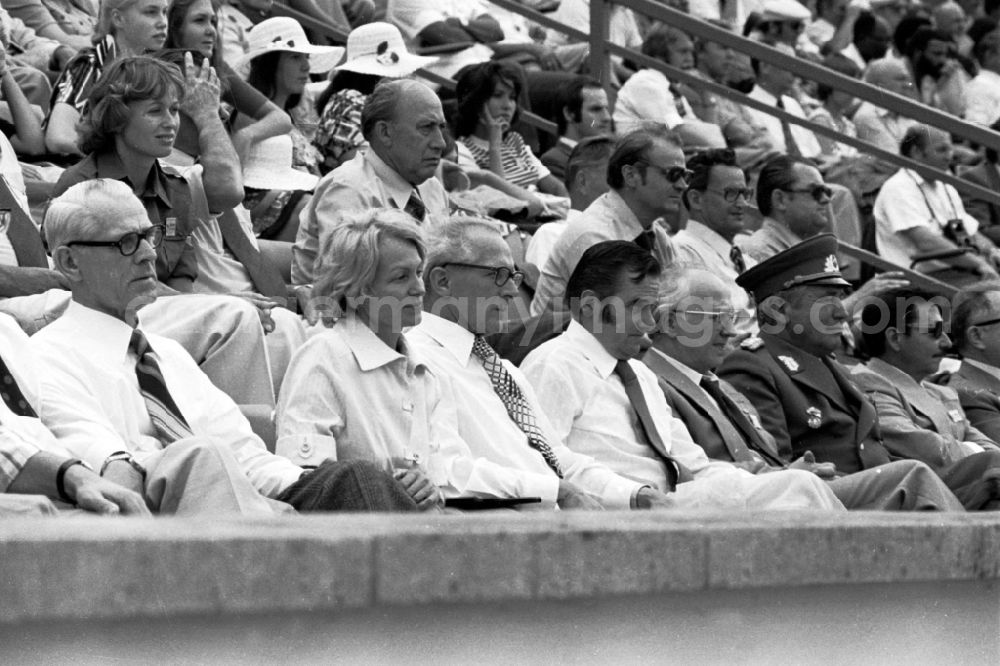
415	206
517	406
163	411
12	394
736	256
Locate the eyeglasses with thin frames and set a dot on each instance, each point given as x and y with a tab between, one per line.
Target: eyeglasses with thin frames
501	274
129	243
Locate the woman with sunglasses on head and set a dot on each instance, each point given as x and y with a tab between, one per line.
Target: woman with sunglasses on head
356	390
194	25
488	108
124	27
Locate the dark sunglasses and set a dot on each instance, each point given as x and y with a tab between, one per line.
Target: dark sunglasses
129	243
732	194
672	174
935	331
818	192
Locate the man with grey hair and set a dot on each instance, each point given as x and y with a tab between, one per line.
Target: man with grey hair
404	124
512	449
882	127
133	404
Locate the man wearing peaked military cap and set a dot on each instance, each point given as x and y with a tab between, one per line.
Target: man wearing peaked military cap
804	398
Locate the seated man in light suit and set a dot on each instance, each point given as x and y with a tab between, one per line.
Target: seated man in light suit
134	405
511	448
696	317
604	403
33	467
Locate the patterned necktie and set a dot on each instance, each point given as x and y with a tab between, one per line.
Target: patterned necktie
415	206
736	256
517	407
791	147
163	411
646	240
736	416
675	471
11	393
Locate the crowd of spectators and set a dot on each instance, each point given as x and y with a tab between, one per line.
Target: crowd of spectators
251	268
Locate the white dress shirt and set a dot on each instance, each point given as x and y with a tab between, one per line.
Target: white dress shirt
698	245
607	218
586	402
645	97
982	98
351	189
21	437
907	201
349	396
805	140
90	398
499	461
10	171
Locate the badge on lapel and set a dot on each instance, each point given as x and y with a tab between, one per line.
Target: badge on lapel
815	417
790	363
752	343
956	415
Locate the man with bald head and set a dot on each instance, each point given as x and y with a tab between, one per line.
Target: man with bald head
404	124
881	127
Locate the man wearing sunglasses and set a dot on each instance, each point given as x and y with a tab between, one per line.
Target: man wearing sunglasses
717	199
647	175
975	329
512	450
696	327
904	332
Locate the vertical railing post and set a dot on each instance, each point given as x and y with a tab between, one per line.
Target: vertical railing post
600	59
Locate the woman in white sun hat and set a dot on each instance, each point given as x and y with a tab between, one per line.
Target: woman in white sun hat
374	52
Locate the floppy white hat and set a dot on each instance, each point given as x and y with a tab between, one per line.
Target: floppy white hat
268	166
378	49
283	34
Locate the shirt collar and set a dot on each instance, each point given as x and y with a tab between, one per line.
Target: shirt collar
890	372
683	368
783	233
620	210
604	363
569	143
449	335
109	165
370	352
398	188
106	336
710	237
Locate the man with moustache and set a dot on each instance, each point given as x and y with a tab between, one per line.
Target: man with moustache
696	327
511	449
404	124
717	198
584	111
604	403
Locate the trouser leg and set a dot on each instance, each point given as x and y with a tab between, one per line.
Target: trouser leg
355	485
975	480
904	485
196	477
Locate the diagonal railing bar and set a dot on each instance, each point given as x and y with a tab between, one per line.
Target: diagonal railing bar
916	278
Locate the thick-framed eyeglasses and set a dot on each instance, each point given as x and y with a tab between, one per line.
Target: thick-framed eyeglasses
819	192
732	194
501	274
129	243
672	174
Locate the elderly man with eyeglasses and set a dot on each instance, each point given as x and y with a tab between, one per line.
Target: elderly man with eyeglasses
717	199
512	450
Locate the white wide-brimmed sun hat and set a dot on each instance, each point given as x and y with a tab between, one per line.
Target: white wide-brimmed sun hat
268	166
378	49
283	34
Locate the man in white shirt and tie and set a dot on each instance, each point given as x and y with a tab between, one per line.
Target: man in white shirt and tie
511	447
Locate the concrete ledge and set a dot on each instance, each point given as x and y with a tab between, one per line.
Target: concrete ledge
105	569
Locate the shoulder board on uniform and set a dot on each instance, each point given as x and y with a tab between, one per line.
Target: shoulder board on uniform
753	343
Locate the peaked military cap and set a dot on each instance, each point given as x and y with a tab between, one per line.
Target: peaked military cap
812	262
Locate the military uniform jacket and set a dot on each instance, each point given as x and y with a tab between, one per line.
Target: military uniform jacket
806	403
979	394
710	428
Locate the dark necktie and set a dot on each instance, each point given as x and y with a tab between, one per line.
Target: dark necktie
678	100
646	240
163	411
518	408
736	256
791	147
675	471
11	393
736	416
415	206
264	276
21	231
